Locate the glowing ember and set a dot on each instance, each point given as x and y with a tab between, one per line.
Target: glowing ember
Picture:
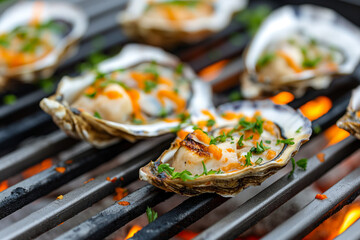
134	229
60	169
316	108
282	98
334	135
352	216
4	185
336	224
211	72
187	235
31	171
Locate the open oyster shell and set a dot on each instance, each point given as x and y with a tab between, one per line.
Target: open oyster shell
101	132
167	22
351	120
302	46
72	19
232	169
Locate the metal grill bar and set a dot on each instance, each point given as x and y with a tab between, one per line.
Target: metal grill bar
278	193
110	219
352	233
29	155
43	183
81	198
180	217
307	219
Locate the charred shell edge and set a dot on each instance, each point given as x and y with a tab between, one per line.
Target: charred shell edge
307	15
101	132
229	184
52	10
350	122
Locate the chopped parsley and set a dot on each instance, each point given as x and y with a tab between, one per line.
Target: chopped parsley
302	163
268	141
137	121
260	148
289	141
152	68
265	59
107	82
184	175
179	68
9	99
248	159
256	126
97	115
235	95
163	113
210	123
298	130
308	62
240	142
221	138
151	214
90	95
258	161
149	86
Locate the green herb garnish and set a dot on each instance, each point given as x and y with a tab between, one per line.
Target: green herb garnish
265	59
163	113
179	69
268	141
151	214
240	142
260	148
248	159
256	126
289	141
293	168
302	163
210	122
97	115
149	86
258	161
9	99
235	95
298	130
137	121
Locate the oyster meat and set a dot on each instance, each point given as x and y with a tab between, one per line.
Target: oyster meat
36	36
168	22
299	47
141	92
351	120
247	143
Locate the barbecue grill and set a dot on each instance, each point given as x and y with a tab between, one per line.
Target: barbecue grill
23	120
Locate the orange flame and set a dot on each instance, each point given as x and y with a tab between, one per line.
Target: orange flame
282	98
316	108
334	135
134	229
351	216
31	171
4	185
211	72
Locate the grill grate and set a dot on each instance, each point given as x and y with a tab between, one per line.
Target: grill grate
23	120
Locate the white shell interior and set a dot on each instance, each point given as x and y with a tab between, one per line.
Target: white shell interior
22	13
129	56
320	23
223	11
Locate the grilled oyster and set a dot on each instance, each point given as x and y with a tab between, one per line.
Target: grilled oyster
249	142
351	120
142	92
35	37
168	22
299	47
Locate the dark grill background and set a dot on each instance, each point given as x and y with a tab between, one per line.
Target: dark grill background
25	120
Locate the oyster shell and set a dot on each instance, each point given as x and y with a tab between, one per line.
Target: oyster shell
167	22
351	120
79	116
227	159
60	25
299	47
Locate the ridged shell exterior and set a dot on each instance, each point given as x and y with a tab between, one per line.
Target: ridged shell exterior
351	120
229	184
324	25
101	132
22	13
167	36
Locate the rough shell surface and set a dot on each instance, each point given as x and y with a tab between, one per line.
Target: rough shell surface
22	13
101	132
351	120
229	184
322	24
166	35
